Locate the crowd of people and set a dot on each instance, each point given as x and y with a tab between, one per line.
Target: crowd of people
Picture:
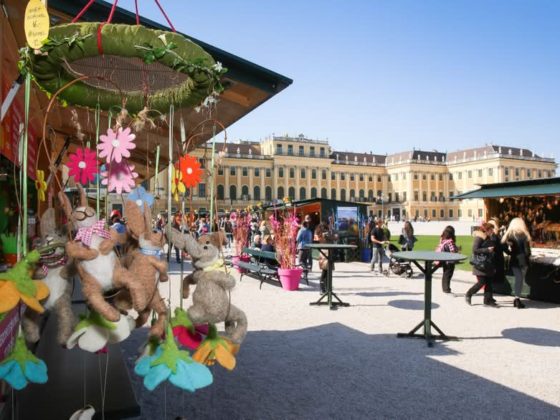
491	243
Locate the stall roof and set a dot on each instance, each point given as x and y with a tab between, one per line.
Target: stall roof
549	186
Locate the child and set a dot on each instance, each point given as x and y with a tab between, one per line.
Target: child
447	244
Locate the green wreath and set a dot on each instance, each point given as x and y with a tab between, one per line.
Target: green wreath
75	43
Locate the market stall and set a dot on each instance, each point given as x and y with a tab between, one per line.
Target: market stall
345	218
536	202
96	98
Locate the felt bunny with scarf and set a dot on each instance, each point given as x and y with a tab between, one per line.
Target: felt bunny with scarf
96	261
146	265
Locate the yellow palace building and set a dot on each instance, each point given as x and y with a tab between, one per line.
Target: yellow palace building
411	184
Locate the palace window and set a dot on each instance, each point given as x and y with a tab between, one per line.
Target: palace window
268	172
220	192
342	176
370	178
233	192
424	177
490	172
324	174
480	173
302	193
257	172
221	170
301	153
415	176
245	192
351	177
416	195
313	192
278	149
280	172
362	195
404	196
302	173
292	193
378	178
322	152
324	193
232	170
245	172
333	194
268	193
469	174
432	177
280	195
333	176
313	174
290	150
292	173
257	193
450	213
361	177
424	196
312	151
343	195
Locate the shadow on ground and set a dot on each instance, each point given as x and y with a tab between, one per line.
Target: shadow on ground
534	336
411	305
333	371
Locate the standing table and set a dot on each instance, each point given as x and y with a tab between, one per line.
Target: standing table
429	257
328	251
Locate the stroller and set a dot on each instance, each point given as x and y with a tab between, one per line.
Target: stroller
399	267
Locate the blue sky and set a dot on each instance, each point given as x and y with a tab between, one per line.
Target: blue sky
387	76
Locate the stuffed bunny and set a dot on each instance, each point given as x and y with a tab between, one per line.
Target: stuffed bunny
146	266
96	261
56	270
211	300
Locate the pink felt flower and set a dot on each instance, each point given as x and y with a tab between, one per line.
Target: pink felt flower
119	177
82	165
116	146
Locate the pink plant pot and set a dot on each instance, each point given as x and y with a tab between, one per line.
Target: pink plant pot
290	277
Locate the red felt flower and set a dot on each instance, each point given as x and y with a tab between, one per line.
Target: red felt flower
82	165
190	168
186	337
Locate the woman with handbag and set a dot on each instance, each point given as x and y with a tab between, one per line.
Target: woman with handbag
407	238
447	243
483	263
517	240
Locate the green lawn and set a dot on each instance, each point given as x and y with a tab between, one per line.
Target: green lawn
429	243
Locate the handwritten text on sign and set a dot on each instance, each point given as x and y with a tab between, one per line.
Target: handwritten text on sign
36	23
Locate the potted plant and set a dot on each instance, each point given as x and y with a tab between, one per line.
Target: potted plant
285	231
241	225
9	246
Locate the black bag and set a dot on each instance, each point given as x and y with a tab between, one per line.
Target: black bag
402	240
482	262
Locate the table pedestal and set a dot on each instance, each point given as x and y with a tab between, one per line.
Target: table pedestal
427	322
329	294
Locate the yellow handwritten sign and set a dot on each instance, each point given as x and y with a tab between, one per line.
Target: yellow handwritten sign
36	23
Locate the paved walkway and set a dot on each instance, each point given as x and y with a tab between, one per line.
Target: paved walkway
307	362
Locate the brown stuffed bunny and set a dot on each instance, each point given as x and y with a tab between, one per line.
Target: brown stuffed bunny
145	264
211	300
96	261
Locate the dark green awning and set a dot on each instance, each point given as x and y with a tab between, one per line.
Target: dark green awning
549	186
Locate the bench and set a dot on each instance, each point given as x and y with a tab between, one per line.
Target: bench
263	265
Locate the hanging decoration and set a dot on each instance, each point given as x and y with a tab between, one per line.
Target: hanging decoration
187	75
119	177
82	165
140	196
41	185
177	185
190	171
186	333
168	362
17	286
114	146
94	332
22	367
216	349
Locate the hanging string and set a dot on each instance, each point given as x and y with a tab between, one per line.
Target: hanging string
137	15
86	7
165	16
24	157
97	123
156	183
170	174
212	178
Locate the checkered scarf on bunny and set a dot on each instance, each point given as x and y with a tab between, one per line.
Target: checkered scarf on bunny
86	233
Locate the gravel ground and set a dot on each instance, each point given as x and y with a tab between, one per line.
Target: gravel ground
307	362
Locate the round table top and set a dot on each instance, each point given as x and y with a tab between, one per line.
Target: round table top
429	256
330	246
